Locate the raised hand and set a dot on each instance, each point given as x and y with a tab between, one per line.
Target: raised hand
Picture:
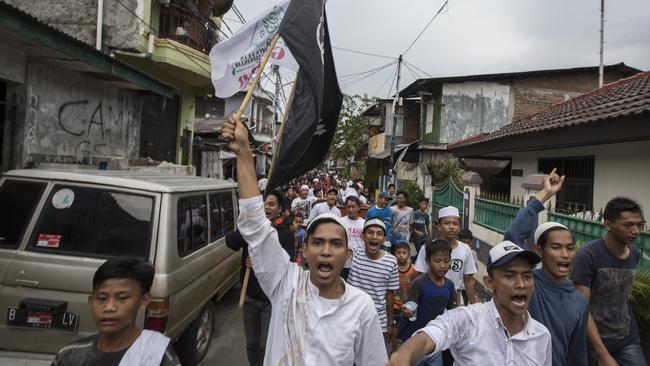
552	184
235	134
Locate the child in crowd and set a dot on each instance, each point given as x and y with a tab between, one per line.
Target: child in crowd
466	236
120	289
407	274
299	235
433	292
498	332
421	222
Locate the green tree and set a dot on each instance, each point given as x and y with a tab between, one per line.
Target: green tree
445	168
351	136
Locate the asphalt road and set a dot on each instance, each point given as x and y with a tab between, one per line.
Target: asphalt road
228	345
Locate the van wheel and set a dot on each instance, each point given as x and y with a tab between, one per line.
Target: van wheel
193	344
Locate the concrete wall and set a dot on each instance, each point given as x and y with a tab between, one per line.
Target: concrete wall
69	114
620	169
13	64
78	18
470	108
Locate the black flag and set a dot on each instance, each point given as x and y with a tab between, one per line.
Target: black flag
316	105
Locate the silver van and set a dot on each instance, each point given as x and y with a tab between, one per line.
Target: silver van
58	227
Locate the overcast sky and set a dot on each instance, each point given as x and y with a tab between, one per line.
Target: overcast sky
475	37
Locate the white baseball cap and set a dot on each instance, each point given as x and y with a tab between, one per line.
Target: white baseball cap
541	229
304	186
502	253
315	180
329	217
448	211
374	222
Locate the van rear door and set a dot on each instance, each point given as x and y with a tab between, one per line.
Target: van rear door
44	294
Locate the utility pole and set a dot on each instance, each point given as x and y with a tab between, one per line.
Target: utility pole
276	104
391	171
601	70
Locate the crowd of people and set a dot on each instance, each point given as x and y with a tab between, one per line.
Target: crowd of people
331	287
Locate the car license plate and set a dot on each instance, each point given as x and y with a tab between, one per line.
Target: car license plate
24	318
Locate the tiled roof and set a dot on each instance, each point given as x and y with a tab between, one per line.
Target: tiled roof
621	98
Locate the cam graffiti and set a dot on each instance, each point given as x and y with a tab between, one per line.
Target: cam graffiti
88	129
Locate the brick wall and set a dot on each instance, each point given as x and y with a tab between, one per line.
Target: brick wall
536	93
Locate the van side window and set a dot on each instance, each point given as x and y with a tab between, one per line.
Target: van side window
18	199
192	224
221	215
94	222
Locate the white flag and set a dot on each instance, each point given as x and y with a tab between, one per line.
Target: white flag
235	60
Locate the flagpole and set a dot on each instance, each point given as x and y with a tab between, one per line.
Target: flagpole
258	75
285	116
260	70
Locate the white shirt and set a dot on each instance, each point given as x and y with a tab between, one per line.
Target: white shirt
321	208
307	329
476	336
355	232
462	263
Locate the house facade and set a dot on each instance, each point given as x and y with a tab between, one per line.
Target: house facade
450	109
168	40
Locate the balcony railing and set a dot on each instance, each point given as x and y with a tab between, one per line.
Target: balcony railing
189	29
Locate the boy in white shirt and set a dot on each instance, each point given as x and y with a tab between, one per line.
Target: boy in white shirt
498	332
317	319
353	223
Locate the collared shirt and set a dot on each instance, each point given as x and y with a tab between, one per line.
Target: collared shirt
321	208
305	328
476	336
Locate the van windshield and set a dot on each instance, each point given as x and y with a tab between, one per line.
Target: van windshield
94	222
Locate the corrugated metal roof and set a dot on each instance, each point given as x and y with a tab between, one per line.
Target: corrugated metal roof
621	98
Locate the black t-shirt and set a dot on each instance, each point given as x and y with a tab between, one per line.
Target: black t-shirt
85	352
610	280
235	241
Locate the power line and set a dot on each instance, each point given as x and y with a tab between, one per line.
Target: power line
393	81
384	83
363	53
425	28
419	69
353	81
365	72
410	70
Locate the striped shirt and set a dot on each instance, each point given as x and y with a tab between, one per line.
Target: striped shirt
375	277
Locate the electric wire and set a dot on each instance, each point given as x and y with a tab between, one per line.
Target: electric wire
365	72
410	70
425	28
364	53
348	83
419	69
385	81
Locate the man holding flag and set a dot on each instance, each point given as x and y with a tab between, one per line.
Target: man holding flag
316	318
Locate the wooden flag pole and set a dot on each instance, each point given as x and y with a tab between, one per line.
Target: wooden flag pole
258	75
247	98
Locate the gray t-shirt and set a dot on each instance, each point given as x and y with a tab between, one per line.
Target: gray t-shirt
85	352
610	280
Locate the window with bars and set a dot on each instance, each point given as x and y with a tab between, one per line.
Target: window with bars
578	191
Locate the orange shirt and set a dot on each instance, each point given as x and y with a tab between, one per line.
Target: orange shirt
405	279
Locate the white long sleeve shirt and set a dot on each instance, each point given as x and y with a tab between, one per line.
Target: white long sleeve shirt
321	208
307	329
476	336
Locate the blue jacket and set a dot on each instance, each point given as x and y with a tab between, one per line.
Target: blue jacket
558	306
